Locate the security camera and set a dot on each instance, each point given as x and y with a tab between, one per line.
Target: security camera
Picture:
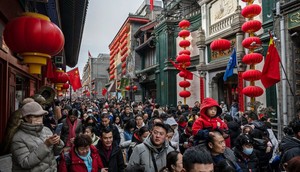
294	34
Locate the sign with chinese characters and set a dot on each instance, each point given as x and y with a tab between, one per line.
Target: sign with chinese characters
222	9
294	20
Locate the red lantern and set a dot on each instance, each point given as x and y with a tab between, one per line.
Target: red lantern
252	75
112	77
183	58
111	67
253	91
61	76
184	84
184	33
187	52
111	62
251	26
184	43
124	51
124	71
186	64
35	38
220	45
252	42
127	88
182	74
65	86
251	11
252	58
134	88
184	94
183	24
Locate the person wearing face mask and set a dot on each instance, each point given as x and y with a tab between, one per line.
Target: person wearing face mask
245	154
34	146
138	137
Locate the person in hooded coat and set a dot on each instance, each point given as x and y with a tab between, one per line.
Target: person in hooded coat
209	120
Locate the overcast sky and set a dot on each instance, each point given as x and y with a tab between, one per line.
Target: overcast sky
103	21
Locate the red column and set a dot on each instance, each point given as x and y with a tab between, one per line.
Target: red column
201	89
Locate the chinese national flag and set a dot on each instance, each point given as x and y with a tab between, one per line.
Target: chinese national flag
271	71
188	74
74	78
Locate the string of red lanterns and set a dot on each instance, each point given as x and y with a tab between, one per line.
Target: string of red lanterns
184	58
251	43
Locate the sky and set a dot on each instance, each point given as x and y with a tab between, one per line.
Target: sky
103	21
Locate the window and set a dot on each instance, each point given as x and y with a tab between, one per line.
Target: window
150	58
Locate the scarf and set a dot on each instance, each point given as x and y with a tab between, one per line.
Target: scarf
72	133
86	159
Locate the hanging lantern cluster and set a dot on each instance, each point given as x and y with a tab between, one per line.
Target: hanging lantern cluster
60	79
134	88
184	58
251	43
35	38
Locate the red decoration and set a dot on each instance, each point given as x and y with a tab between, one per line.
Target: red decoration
251	75
184	33
111	67
65	86
35	38
183	24
187	52
123	65
253	91
134	87
252	58
184	43
111	62
251	26
182	74
124	71
184	94
251	11
252	42
88	94
112	77
124	51
220	45
187	64
127	88
183	58
184	84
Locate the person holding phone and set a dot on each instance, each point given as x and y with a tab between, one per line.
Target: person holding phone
34	146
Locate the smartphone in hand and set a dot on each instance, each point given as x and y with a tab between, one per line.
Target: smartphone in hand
58	129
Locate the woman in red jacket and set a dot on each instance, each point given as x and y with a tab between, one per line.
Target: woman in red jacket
83	157
209	120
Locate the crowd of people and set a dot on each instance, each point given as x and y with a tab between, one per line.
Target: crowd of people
115	136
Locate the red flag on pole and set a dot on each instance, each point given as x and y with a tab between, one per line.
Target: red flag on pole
151	5
74	78
271	71
90	56
104	91
188	74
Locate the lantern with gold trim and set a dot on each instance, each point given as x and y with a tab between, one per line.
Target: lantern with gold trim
35	38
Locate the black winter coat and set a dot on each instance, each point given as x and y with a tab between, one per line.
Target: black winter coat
289	148
246	162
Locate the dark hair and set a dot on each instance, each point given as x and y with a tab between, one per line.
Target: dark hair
82	140
106	130
155	113
172	158
93	130
211	137
130	124
242	140
228	117
193	156
161	125
142	130
182	118
105	115
139	115
170	129
253	116
73	112
157	106
295	125
91	117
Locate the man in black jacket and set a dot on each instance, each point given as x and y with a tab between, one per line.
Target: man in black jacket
290	145
106	123
110	153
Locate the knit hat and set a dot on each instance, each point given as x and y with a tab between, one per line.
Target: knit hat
33	108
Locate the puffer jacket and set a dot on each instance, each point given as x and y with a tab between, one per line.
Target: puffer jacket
142	155
29	152
247	163
289	148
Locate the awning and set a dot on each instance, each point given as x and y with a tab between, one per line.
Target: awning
112	87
